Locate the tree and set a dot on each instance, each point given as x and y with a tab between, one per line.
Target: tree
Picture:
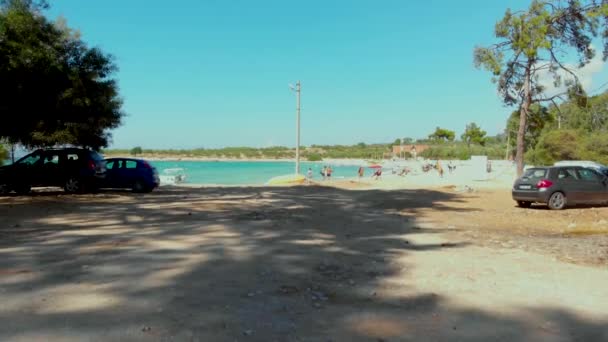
590	116
534	42
538	118
136	150
473	134
557	145
442	134
54	88
314	157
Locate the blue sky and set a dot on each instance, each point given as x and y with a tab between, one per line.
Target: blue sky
212	73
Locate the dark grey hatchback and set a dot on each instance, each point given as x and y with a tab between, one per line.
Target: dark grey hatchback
560	186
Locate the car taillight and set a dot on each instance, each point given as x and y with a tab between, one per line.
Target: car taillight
91	165
544	184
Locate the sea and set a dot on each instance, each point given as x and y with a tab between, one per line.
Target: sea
242	172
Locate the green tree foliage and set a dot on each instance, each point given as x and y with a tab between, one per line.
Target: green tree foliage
53	87
595	148
590	116
136	150
538	118
531	42
584	130
461	151
473	134
314	157
442	135
557	145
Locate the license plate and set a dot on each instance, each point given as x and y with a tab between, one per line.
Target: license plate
525	187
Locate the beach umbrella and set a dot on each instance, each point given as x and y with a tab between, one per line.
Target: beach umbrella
375	166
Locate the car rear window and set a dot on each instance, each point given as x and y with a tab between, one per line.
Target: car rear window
72	157
535	173
567	174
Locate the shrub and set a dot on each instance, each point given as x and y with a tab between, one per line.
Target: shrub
314	157
136	150
556	145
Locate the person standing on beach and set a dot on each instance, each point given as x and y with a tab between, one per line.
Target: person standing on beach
329	171
309	176
439	168
324	172
361	172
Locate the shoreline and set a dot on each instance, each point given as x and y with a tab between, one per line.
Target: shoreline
389	183
337	161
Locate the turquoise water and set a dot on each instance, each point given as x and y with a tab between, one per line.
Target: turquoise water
245	173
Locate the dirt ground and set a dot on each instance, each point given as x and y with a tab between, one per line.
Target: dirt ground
300	264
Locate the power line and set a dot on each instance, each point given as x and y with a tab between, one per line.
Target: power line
600	87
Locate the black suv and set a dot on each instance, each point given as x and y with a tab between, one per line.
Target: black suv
74	169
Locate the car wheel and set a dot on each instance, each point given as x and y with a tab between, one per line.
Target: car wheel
139	186
524	204
23	189
72	185
557	201
5	189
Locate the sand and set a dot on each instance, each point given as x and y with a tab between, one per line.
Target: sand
303	263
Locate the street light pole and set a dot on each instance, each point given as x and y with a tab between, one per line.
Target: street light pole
298	92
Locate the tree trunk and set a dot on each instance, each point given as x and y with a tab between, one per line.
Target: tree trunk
523	116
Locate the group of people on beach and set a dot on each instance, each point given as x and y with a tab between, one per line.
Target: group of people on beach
325	173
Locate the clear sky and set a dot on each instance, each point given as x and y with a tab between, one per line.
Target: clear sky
212	73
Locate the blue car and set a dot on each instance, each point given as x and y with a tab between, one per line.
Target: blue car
128	173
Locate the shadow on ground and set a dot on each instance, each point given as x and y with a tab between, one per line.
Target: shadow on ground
226	264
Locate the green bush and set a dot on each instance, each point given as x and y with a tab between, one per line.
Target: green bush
596	148
313	157
463	152
555	146
136	150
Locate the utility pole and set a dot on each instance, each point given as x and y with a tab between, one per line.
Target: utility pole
298	92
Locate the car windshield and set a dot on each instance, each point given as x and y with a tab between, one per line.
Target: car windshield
30	159
535	173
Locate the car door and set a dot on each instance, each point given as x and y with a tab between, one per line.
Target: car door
567	180
113	174
591	185
50	173
25	169
130	172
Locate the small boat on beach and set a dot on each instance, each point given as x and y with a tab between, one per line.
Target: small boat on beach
287	180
